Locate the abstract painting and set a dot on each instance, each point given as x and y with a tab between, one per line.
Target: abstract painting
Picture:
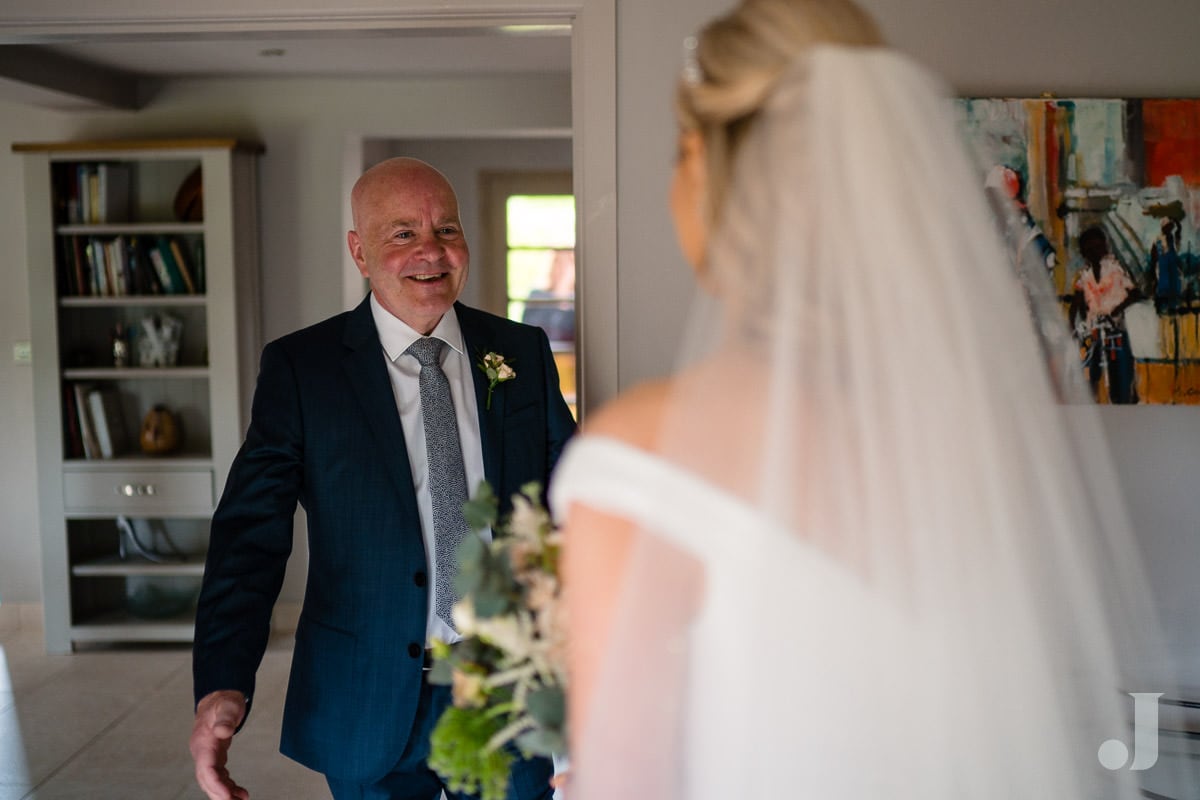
1108	193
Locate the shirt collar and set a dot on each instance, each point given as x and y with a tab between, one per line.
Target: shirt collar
395	335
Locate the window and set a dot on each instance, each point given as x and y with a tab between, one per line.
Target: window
531	220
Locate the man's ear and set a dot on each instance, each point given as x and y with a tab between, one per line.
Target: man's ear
355	244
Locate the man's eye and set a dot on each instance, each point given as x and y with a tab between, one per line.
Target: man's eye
403	234
448	230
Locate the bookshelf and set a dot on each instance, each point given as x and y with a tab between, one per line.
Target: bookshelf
137	303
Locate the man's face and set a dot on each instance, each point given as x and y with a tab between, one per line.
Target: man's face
409	243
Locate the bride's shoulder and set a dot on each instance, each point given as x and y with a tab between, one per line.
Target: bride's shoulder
634	417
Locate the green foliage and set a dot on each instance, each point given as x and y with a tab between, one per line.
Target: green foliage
486	576
483	508
548	706
442	674
460	755
542	741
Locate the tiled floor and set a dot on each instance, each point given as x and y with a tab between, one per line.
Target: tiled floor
113	724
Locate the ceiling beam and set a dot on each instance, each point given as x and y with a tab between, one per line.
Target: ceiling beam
35	75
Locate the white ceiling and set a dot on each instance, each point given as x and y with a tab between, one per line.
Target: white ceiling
42	73
422	52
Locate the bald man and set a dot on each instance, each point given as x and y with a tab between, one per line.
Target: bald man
338	426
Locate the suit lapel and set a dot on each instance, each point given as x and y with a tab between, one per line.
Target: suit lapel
491	421
368	378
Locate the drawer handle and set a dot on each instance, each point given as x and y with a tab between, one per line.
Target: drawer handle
135	490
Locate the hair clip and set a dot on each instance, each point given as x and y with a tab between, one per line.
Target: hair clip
692	74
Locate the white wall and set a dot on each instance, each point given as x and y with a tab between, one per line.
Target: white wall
304	125
20	547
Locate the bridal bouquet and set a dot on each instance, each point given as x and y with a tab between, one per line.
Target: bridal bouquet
508	673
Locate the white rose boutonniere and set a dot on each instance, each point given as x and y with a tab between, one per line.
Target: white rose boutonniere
497	370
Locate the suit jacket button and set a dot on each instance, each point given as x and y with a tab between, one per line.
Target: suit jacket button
419	579
415	650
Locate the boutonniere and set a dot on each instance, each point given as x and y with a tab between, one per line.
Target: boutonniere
497	370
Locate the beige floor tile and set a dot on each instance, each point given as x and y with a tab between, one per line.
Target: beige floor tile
50	726
14	792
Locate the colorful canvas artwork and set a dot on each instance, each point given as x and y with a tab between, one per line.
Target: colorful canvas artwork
1108	194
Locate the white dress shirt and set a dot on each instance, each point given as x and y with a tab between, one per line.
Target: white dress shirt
403	370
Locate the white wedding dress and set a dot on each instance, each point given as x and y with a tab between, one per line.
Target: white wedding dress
796	678
819	610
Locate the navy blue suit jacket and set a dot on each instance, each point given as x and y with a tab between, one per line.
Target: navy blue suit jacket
325	432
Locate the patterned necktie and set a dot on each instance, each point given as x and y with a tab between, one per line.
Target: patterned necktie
447	476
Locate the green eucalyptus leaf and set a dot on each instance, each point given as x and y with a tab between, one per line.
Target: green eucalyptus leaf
442	673
548	706
489	603
467	582
481	510
472	552
541	742
533	491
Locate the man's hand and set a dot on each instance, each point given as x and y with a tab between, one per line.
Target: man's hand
217	717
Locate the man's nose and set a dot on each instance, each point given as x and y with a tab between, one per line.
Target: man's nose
430	248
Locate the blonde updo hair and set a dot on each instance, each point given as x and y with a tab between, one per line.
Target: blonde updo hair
738	59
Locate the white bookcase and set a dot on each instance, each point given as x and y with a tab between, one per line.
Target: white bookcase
93	589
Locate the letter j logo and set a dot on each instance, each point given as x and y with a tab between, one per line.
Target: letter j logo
1114	755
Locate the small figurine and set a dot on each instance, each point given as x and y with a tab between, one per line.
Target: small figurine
158	346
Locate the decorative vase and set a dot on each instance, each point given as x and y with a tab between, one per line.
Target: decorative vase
160	432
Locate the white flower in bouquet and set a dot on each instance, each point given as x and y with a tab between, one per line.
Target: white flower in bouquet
512	633
463	616
527	522
467	690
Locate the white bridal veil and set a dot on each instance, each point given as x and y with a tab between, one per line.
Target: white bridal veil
882	551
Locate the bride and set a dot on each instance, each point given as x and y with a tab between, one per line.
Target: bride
857	545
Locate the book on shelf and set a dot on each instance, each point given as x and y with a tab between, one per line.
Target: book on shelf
198	262
140	270
108	423
79	262
87	434
118	263
83	174
68	281
180	262
159	262
102	193
71	433
99	270
113	193
112	268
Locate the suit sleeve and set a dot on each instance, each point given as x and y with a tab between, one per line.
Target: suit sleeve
560	425
251	536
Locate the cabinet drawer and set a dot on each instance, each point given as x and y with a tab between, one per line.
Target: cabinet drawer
138	492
